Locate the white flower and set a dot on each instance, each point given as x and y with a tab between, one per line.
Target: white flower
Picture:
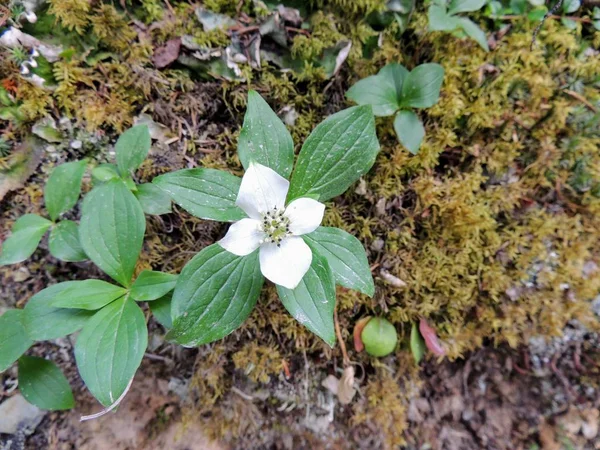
273	226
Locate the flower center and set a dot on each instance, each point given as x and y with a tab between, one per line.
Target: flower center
276	226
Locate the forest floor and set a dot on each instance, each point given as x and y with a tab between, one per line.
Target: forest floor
493	229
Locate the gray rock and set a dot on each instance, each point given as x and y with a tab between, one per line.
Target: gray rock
16	413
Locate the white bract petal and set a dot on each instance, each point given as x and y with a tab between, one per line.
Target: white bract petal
243	237
286	264
31	17
305	215
262	190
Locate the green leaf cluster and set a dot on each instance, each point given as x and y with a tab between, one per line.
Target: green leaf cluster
444	16
217	290
113	335
60	194
395	91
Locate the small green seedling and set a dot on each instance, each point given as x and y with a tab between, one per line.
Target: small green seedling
444	16
396	91
114	336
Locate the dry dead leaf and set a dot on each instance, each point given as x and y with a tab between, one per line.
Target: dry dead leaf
343	387
431	339
167	54
548	437
358	328
589	428
20	165
392	279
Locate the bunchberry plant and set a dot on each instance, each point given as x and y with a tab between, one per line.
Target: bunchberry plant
113	335
396	91
444	16
275	235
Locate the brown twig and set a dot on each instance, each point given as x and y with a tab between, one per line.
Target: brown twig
345	357
581	98
243	30
551	12
298	30
552	16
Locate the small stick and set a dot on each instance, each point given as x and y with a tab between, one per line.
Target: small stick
552	16
581	98
551	12
339	336
242	394
298	30
244	30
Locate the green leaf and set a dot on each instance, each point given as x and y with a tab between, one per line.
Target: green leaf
129	183
395	74
151	285
64	242
87	294
110	348
264	138
346	257
43	384
132	147
153	199
112	230
596	18
474	32
215	293
161	309
104	172
63	187
460	6
570	6
409	129
204	193
518	6
568	23
27	232
422	86
417	344
313	301
439	20
14	340
337	153
376	91
44	322
537	14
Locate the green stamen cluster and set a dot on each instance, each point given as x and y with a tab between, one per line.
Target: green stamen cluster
276	226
